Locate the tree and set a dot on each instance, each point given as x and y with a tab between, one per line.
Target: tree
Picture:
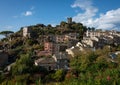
62	24
6	33
49	26
59	75
6	46
23	65
93	29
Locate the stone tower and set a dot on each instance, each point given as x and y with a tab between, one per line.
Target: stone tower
69	20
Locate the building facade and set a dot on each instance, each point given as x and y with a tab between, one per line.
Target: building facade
26	32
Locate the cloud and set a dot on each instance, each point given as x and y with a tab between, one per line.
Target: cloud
89	11
109	20
53	24
85	5
28	13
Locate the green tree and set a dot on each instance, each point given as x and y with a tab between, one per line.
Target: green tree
6	33
59	75
23	65
62	24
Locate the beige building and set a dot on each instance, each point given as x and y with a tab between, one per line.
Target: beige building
73	51
26	32
94	33
72	36
66	37
76	50
61	39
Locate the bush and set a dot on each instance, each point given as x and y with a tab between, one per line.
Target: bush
59	75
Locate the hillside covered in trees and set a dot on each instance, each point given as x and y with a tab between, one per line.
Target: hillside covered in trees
16	44
87	68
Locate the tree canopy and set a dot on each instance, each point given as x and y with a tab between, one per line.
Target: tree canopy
6	33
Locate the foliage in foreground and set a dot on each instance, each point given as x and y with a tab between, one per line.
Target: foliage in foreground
89	68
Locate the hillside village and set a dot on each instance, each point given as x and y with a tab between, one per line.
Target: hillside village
53	47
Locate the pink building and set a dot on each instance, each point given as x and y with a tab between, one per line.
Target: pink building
49	47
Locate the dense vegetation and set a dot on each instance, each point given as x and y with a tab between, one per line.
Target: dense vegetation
95	68
16	45
88	68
